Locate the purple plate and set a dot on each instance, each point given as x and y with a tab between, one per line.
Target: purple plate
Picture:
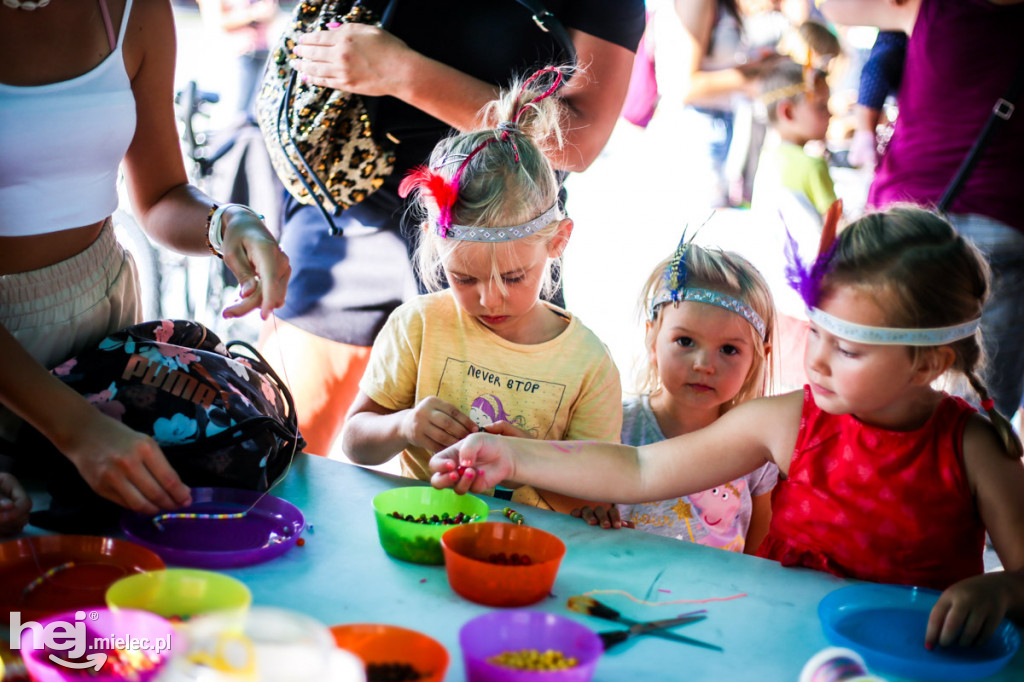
268	530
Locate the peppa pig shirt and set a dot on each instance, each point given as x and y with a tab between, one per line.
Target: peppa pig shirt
718	517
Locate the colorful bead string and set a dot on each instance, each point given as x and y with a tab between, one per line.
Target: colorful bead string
49	573
513	516
158	520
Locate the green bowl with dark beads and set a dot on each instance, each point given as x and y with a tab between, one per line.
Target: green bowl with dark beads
416	536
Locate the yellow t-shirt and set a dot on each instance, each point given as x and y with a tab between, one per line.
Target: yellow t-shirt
564	389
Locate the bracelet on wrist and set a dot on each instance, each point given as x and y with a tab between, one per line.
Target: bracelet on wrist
215	226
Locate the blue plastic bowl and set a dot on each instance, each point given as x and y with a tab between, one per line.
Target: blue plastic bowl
886	625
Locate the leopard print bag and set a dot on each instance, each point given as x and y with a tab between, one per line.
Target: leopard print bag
319	139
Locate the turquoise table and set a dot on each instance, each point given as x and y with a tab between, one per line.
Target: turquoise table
341	575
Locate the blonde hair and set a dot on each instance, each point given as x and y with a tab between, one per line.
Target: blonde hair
923	274
497	189
785	82
727	273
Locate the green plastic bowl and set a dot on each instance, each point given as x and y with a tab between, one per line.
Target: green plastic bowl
420	543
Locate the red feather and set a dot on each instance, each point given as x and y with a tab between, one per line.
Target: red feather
434	185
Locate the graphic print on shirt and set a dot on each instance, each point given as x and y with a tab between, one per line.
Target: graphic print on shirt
488	395
709	518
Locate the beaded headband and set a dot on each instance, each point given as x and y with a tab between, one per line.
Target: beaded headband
674	290
476	233
890	336
445	192
806	280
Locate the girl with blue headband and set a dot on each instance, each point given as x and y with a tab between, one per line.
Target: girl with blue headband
491	229
709	321
885	477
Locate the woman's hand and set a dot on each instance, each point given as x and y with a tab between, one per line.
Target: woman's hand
15	505
476	463
434	424
125	466
970	611
359	58
600	515
259	264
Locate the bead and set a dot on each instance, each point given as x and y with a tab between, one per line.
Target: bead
300	542
532	659
158	520
50	572
434	520
513	516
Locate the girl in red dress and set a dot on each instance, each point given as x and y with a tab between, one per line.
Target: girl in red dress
887	478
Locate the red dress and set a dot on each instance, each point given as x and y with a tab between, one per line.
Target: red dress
879	505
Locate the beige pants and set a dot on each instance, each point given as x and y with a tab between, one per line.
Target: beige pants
58	311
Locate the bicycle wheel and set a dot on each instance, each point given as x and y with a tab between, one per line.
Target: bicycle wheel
147	261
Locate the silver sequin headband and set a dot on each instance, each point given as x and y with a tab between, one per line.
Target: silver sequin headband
477	233
714	298
890	336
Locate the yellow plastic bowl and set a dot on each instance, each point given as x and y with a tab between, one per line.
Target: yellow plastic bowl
181	593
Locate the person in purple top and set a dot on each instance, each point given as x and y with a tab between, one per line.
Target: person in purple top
961	58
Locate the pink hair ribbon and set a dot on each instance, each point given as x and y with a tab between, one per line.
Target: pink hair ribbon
444	192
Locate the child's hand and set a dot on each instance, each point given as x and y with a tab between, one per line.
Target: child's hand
477	463
604	516
970	611
504	428
14	505
434	425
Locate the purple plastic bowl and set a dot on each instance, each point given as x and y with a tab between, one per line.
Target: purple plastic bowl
140	632
269	530
500	631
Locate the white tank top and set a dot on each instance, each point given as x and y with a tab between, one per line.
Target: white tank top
61	145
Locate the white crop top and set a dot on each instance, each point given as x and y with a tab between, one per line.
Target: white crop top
61	145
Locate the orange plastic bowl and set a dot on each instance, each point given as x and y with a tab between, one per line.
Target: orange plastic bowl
474	557
379	645
78	569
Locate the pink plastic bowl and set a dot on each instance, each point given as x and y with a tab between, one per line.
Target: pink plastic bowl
141	634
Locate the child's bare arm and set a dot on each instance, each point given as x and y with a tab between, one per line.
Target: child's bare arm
373	434
736	444
969	611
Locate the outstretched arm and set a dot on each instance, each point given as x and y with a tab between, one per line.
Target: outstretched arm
367	60
734	445
170	210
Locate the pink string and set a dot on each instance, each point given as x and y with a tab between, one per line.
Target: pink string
505	136
665	603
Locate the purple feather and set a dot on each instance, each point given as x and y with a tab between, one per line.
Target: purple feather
805	280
